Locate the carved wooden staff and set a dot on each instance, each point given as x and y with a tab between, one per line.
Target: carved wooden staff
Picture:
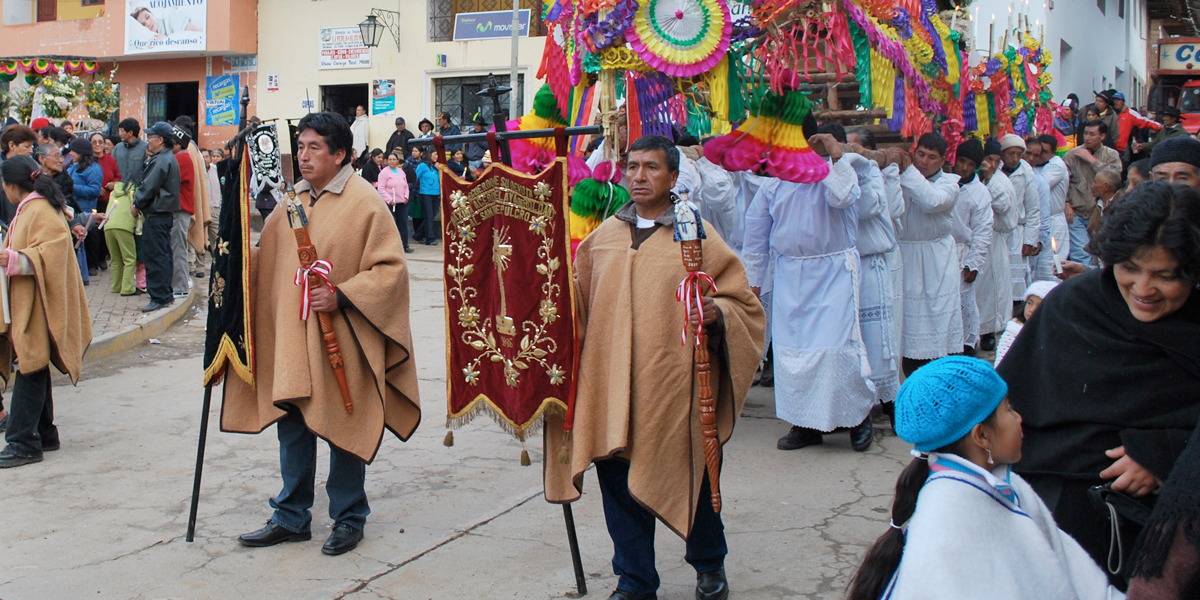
689	232
315	272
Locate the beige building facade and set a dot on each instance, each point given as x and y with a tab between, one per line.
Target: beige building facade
310	58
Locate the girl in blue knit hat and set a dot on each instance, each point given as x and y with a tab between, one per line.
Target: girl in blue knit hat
963	524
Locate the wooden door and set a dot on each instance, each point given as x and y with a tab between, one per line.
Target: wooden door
47	10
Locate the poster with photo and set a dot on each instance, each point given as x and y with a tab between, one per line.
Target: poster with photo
165	26
342	48
383	97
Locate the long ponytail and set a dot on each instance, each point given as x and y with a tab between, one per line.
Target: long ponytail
21	170
882	560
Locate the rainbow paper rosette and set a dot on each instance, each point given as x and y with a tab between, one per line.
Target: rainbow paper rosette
681	38
790	157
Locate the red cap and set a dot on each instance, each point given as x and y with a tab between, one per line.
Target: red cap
39	123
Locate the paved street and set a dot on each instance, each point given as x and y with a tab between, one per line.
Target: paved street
105	516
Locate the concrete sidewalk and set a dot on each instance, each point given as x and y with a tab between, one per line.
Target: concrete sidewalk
118	323
105	516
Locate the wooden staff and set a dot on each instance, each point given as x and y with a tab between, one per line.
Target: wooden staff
690	291
312	265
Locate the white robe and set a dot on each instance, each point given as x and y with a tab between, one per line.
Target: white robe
993	290
1054	221
808	231
360	129
932	303
972	233
1029	219
876	311
716	198
1011	329
967	540
895	260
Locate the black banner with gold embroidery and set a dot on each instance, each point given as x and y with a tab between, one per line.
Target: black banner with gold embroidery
229	342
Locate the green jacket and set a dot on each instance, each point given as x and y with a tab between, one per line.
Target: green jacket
1165	133
120	204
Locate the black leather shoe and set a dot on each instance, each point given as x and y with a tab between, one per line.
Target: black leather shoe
155	305
272	534
987	342
621	594
10	459
799	437
862	435
408	250
712	585
51	447
343	539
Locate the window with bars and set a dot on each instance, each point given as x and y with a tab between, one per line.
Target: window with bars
441	15
456	95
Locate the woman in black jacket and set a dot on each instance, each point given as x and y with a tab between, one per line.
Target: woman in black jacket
372	166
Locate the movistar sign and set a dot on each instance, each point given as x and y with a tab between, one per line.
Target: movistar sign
488	25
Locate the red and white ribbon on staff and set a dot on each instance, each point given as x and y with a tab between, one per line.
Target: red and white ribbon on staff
321	269
690	294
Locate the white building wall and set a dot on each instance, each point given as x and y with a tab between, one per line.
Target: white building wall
1092	50
288	44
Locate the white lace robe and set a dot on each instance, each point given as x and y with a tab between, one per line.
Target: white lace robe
932	303
973	237
808	232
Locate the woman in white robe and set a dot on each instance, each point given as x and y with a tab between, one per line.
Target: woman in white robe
808	232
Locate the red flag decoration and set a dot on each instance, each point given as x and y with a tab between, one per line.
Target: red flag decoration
510	307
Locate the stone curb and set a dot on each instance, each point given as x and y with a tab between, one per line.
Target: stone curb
151	325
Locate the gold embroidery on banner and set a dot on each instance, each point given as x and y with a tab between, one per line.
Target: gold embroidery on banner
489	199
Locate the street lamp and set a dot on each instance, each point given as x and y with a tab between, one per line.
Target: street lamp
372	28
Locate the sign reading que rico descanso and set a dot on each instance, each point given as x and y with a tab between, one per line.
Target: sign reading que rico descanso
488	25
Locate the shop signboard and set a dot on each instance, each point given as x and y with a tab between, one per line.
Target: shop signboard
383	97
342	48
221	100
153	26
488	25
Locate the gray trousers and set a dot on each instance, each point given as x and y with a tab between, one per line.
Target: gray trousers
180	277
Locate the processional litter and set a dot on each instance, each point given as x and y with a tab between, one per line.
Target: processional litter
639	68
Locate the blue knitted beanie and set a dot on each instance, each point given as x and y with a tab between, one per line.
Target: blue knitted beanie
940	403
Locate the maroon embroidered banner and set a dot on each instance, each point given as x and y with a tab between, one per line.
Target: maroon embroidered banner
510	311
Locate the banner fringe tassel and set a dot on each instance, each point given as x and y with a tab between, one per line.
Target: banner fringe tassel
448	441
535	427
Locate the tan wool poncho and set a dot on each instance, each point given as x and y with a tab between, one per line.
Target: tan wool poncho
202	215
636	397
353	230
50	319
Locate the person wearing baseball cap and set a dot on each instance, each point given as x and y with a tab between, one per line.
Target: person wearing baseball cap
1172	128
399	138
158	198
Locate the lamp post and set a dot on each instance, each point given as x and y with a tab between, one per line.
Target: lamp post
372	28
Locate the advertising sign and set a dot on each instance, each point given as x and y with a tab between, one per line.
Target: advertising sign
165	26
488	25
342	48
221	100
272	81
1179	55
383	97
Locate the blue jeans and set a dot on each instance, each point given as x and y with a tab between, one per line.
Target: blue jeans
298	465
1079	239
631	528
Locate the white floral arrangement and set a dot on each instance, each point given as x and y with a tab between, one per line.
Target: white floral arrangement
60	94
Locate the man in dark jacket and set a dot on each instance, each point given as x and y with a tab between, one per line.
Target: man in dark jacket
130	154
1171	128
475	150
448	128
399	139
158	198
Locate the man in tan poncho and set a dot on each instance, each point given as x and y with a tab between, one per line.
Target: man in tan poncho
636	413
295	386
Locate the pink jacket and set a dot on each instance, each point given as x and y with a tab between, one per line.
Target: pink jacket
393	186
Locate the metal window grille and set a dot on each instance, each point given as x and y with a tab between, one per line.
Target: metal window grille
456	95
156	103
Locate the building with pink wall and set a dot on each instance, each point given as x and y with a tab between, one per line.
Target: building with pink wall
163	51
